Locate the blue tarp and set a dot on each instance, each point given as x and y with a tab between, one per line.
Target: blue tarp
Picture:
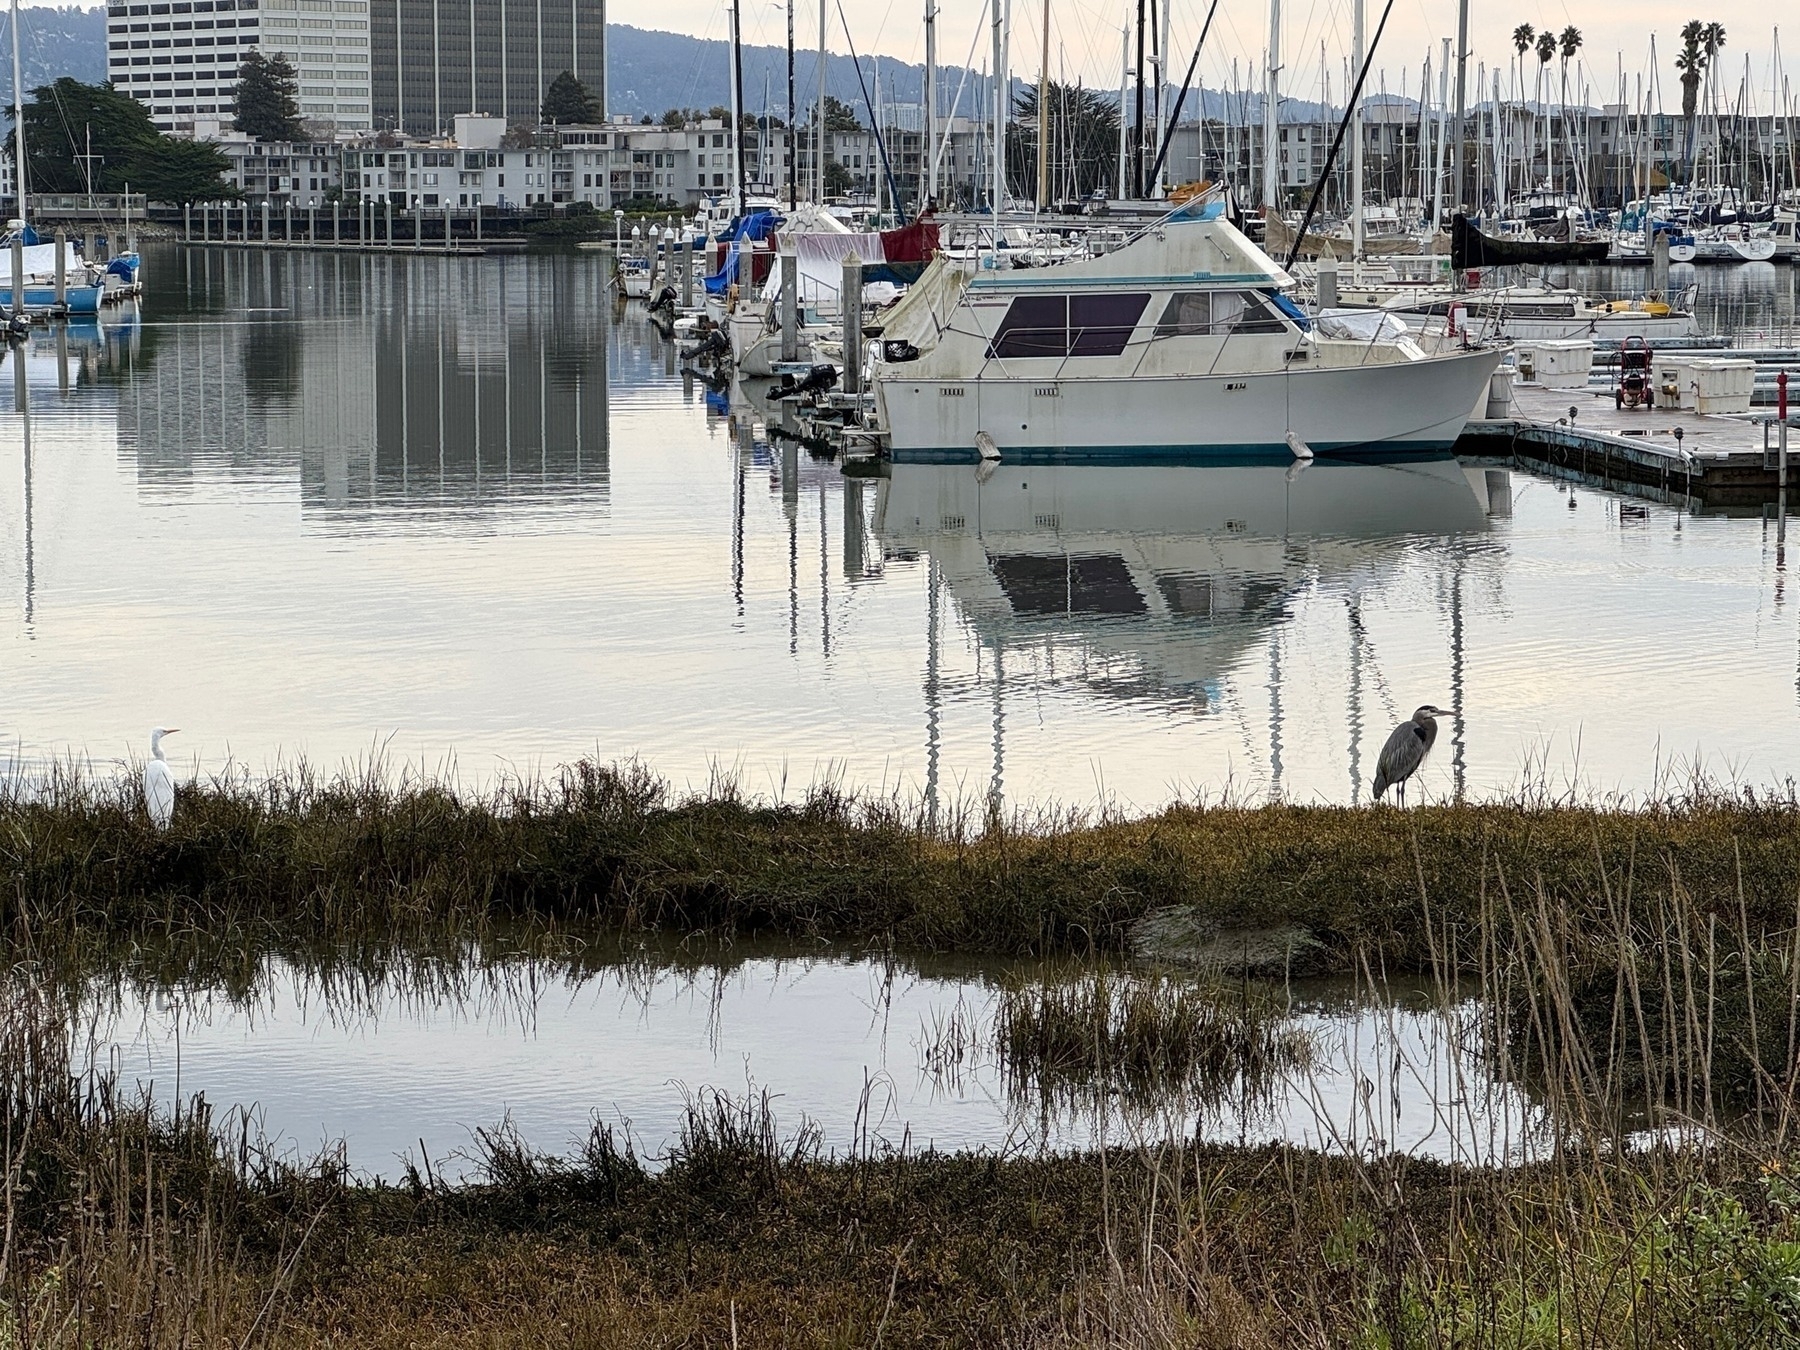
754	228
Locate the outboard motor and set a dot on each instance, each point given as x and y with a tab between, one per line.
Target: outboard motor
815	382
710	349
664	302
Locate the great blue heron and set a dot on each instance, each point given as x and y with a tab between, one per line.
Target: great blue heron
159	782
1406	749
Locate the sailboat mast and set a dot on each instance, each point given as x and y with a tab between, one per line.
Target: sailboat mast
1124	103
1272	114
819	111
737	105
1462	103
1002	94
930	146
1163	109
1043	117
793	175
18	125
1137	158
1357	224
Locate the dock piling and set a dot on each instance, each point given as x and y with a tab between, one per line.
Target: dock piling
790	305
18	276
62	270
850	301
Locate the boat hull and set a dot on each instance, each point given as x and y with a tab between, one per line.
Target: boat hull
1408	407
42	299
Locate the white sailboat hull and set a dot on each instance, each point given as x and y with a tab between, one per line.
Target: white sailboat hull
1406	407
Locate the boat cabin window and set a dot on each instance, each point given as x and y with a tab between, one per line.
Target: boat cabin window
1036	325
1101	325
1069	325
1206	313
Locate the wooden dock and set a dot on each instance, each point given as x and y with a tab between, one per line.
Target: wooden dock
1580	433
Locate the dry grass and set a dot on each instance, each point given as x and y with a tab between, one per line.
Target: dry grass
366	859
1639	968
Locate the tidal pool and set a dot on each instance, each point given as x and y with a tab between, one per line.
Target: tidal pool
869	1048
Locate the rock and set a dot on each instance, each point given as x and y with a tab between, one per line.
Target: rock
1182	935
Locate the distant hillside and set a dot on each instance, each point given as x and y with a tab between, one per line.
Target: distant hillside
54	42
651	71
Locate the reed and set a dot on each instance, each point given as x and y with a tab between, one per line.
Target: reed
1635	971
374	858
1152	1042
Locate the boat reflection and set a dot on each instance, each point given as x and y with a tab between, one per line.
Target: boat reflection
1153	583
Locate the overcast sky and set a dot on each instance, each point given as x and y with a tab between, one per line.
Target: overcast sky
1085	37
1315	36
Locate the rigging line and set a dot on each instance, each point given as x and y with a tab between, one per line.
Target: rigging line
880	140
937	154
1337	143
1181	98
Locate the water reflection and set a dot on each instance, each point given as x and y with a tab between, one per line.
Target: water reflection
390	385
1152	585
845	1041
468	502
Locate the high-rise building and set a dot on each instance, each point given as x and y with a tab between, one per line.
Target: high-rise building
434	59
327	41
181	58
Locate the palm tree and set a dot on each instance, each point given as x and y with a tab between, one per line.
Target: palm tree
1546	50
1522	38
1568	43
1692	63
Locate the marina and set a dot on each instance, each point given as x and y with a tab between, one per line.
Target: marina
566	448
1093	700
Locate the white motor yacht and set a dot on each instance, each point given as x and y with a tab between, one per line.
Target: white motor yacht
1182	342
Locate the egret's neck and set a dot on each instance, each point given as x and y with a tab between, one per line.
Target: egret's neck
156	749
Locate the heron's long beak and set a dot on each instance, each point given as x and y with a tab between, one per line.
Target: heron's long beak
170	731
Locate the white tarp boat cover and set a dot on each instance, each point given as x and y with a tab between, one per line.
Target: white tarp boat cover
822	268
40	262
925	310
1360	325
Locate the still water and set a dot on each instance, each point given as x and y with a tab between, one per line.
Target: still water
460	513
399	1067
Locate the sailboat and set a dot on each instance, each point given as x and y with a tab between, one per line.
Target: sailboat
34	290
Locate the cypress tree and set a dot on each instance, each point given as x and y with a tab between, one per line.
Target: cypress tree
268	106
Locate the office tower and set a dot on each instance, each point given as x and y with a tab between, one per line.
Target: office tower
181	58
434	59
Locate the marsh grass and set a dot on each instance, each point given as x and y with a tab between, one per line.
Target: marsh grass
393	860
1635	970
1156	1041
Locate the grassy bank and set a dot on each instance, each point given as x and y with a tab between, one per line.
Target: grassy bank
126	1228
614	845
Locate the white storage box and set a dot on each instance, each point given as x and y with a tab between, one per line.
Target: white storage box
1674	380
1722	384
1561	363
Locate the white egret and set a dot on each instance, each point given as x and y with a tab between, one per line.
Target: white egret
159	781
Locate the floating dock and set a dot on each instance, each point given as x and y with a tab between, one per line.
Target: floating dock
1580	433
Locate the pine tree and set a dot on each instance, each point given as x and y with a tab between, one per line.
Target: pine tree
268	90
567	101
181	172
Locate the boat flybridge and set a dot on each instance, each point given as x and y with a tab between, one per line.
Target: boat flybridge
1182	342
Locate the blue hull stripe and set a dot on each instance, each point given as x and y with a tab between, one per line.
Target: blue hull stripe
1362	452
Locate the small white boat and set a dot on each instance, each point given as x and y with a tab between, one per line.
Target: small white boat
633	277
1183	342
